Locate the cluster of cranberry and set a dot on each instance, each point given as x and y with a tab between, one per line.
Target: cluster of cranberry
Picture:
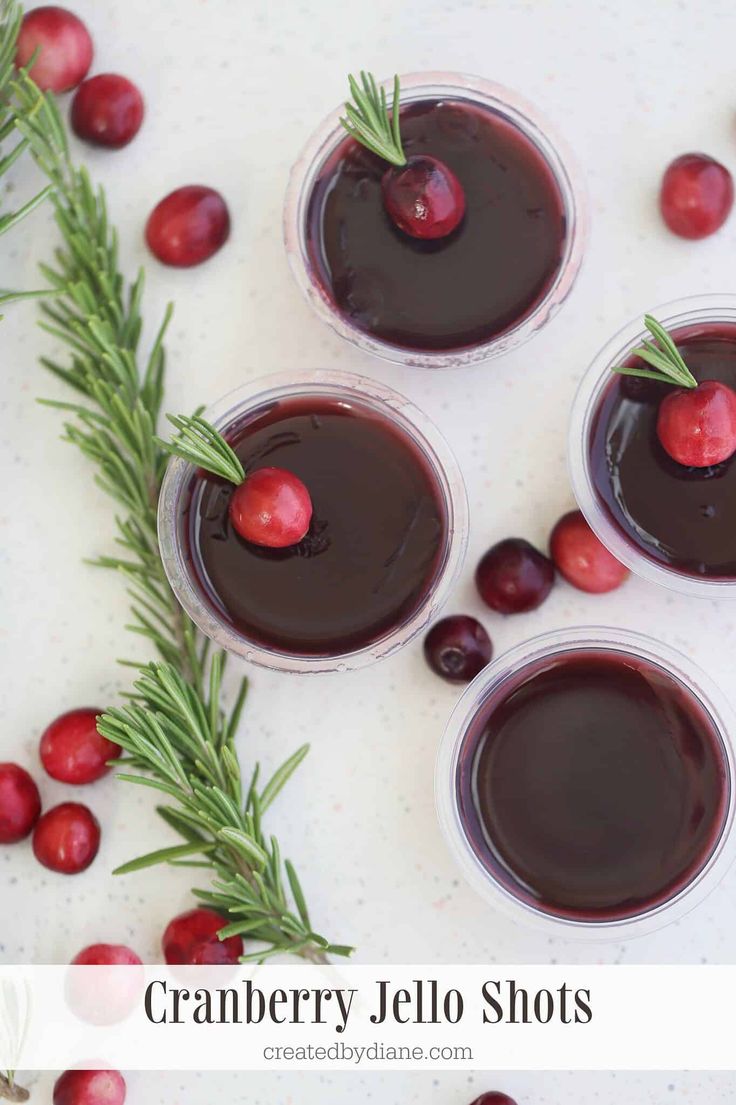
512	578
189	224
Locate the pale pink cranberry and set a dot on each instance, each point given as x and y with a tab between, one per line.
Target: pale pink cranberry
64	48
582	559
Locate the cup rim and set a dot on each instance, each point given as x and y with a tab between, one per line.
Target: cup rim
675	314
404	415
548	142
589	638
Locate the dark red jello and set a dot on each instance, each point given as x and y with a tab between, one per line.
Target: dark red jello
593	785
376	543
680	517
455	292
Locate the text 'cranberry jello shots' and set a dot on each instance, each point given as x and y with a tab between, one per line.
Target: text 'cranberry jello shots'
336	534
435	220
653	446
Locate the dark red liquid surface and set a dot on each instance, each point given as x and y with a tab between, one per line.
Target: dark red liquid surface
594	787
374	549
682	517
457	291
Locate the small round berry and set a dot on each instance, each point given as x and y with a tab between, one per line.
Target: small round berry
423	198
20	803
697	426
90	1087
106	955
582	559
67	838
696	196
514	577
107	110
188	226
457	648
494	1098
72	750
192	938
271	507
64	48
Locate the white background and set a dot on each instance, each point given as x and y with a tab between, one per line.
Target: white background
233	88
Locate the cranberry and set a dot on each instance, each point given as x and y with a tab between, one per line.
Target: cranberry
457	648
20	803
106	955
109	995
513	576
72	750
192	938
582	559
64	48
67	838
188	226
107	110
90	1087
271	507
423	197
494	1098
697	426
696	196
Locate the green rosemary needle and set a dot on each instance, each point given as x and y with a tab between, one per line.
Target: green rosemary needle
664	358
368	120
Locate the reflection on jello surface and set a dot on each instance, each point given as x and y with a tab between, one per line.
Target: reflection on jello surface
593	785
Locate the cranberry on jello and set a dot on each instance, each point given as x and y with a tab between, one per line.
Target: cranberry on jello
445	232
371	535
657	471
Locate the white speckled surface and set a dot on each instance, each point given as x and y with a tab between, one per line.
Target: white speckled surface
233	89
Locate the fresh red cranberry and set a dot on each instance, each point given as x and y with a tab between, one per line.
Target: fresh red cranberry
66	838
20	803
424	197
107	110
106	955
697	426
513	576
72	750
696	195
192	938
64	48
457	648
494	1098
90	1087
271	507
188	226
582	559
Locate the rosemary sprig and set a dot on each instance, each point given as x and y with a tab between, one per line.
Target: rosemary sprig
667	365
9	1088
200	443
175	733
368	120
10	19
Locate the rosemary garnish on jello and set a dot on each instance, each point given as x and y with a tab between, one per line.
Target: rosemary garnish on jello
269	506
421	194
696	423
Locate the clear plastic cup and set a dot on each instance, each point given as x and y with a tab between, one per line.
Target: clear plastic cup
496	682
355	391
682	314
522	115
